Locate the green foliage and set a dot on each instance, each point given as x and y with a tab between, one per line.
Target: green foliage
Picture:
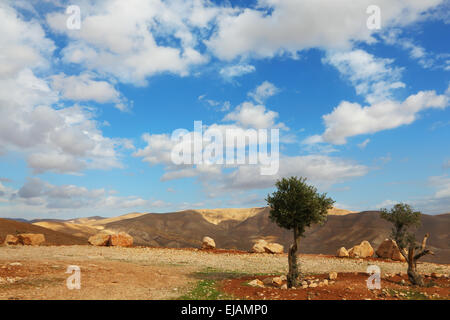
205	290
296	205
403	217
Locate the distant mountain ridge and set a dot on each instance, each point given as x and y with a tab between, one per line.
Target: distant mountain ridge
239	228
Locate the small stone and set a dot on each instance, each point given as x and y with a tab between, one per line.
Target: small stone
15	264
284	286
256	283
277	281
332	275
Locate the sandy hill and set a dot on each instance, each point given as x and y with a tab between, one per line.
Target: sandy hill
52	237
82	227
77	230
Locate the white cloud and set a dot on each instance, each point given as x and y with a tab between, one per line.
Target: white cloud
249	115
263	91
439	202
84	88
122	39
417	52
237	70
23	43
351	119
374	78
275	27
40	198
33	121
323	171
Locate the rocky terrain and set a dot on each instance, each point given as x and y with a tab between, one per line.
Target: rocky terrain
28	272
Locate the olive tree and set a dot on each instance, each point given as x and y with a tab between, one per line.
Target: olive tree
404	218
295	206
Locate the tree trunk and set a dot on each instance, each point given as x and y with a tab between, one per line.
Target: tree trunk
292	278
413	276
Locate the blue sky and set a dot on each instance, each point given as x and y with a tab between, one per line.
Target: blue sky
86	114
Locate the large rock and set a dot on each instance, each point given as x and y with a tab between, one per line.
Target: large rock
122	239
258	247
388	249
363	250
208	243
262	246
274	248
11	240
100	239
31	239
342	252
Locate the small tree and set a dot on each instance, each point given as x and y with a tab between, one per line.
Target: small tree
403	217
295	206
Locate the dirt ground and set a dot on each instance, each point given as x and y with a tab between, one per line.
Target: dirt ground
347	286
158	273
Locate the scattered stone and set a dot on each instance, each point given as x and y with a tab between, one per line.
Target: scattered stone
256	283
208	243
388	249
313	285
277	281
283	278
284	286
332	276
342	252
15	264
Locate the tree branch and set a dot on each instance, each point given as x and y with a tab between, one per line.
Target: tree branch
423	250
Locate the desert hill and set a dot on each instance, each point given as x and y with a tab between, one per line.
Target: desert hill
240	228
13	227
186	229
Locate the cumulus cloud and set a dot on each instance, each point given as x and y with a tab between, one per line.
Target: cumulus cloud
321	170
32	119
122	39
23	43
43	195
249	115
263	91
374	78
351	119
84	88
276	27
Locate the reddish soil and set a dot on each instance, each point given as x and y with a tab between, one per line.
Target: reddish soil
348	286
